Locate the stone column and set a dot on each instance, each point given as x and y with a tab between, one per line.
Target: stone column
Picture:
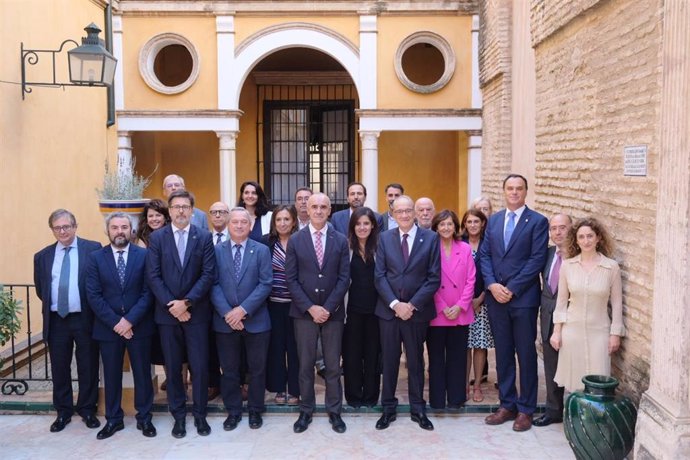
366	86
225	45
370	166
663	424
124	152
228	168
476	90
474	166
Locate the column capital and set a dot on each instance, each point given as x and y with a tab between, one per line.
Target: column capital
225	24
227	139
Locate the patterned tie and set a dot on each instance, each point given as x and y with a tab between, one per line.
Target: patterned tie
121	267
405	248
237	260
219	238
63	286
510	226
555	273
318	247
181	246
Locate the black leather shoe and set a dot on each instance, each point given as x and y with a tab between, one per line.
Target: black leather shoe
422	420
302	422
202	427
337	423
179	429
255	420
231	422
386	419
91	421
546	420
147	429
59	424
110	429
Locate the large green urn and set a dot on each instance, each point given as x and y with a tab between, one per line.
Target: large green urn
598	423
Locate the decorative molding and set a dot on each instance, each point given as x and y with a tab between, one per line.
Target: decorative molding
368	23
437	42
179	120
302	78
225	24
293	26
421	120
180	113
148	54
403	113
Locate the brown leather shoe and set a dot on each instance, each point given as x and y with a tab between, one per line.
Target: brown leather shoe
523	422
499	417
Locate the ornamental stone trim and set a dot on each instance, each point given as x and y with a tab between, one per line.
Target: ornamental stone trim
440	44
147	57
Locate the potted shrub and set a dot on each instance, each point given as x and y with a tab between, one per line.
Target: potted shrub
9	317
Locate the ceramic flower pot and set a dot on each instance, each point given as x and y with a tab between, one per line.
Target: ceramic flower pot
598	423
131	207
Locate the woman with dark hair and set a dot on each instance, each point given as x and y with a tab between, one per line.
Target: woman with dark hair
282	367
361	347
154	216
583	334
446	338
480	338
253	199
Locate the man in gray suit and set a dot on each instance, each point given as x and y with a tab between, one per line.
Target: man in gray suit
172	183
317	269
559	226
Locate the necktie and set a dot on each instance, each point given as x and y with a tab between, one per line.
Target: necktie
121	267
555	273
405	248
219	238
510	226
63	286
181	246
318	247
237	261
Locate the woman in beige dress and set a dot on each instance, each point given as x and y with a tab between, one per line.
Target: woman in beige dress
583	333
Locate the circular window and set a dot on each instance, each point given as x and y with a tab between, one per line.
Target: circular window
169	63
424	62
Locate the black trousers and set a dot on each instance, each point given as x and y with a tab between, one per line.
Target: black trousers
554	393
230	347
282	365
64	335
447	348
361	355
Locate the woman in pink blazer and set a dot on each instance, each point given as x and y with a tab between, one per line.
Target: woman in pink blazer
446	339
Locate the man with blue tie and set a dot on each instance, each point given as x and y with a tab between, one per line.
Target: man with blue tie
317	270
123	306
245	278
60	279
180	270
407	275
512	257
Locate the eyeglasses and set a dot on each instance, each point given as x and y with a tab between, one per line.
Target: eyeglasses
403	211
180	207
218	213
62	228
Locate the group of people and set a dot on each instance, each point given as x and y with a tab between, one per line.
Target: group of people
256	302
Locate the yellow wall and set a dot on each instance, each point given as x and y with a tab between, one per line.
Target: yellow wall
201	31
347	26
426	164
392	30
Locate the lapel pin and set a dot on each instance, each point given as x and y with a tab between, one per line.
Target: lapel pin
251	251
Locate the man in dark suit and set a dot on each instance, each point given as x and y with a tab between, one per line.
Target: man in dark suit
512	256
407	274
180	269
123	306
559	226
245	279
317	270
356	196
60	279
392	192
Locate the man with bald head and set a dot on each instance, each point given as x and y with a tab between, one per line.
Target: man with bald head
172	183
559	226
424	210
220	217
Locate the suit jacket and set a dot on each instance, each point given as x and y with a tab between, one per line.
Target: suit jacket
169	280
250	291
416	282
518	266
199	219
43	267
341	220
111	301
310	285
457	285
548	299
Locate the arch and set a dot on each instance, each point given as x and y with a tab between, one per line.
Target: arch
271	39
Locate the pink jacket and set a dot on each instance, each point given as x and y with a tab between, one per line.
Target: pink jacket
457	285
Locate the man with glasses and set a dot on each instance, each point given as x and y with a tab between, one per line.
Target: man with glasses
180	269
60	279
173	183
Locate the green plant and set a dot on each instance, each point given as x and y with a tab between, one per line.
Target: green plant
118	185
9	316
